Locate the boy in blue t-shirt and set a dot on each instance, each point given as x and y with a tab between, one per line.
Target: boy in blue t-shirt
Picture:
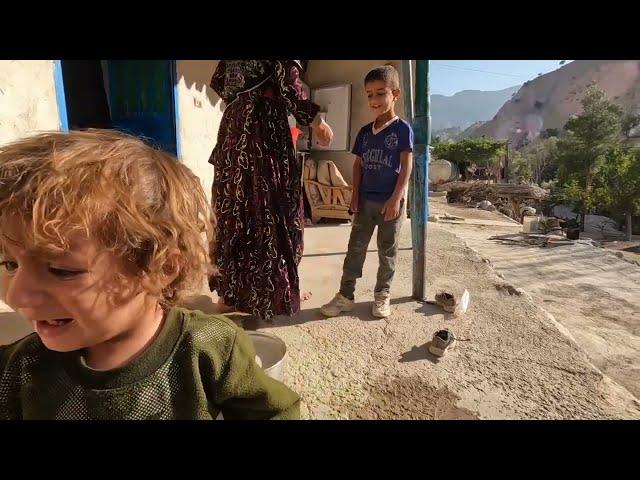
381	172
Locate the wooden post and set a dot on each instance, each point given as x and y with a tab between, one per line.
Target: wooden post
420	178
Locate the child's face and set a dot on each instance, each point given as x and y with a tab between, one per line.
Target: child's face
381	97
67	297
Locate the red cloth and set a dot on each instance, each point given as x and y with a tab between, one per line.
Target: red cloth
295	133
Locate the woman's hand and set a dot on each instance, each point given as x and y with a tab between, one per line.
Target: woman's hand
322	131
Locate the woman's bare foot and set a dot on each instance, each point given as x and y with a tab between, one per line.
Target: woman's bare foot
223	307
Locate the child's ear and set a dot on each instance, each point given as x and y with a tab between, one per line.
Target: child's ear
396	93
172	266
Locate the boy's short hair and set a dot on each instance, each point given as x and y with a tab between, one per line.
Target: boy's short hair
386	73
135	201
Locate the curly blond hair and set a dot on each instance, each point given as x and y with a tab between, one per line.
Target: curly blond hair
137	202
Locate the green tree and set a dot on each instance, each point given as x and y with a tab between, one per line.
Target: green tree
519	168
629	123
620	191
469	151
582	152
540	156
550	132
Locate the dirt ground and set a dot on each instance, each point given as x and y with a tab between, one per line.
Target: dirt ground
630	250
513	360
589	290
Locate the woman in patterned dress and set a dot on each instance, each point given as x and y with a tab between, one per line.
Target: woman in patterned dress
257	191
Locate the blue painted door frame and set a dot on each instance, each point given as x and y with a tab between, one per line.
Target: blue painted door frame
143	97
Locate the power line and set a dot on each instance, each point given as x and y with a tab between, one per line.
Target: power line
477	70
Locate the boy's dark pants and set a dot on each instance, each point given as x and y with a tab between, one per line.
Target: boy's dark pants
365	220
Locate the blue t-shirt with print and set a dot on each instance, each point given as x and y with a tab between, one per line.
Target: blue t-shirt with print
380	153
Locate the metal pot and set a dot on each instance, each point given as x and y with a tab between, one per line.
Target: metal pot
272	352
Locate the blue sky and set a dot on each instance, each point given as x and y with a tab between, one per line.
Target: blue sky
450	76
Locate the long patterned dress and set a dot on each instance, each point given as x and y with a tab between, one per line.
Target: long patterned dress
257	191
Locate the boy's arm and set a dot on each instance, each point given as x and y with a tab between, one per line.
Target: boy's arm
357	178
391	207
357	171
245	392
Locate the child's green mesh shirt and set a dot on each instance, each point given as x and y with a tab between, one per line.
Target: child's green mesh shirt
198	366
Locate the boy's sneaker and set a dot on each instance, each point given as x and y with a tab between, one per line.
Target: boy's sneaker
335	307
381	307
442	341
